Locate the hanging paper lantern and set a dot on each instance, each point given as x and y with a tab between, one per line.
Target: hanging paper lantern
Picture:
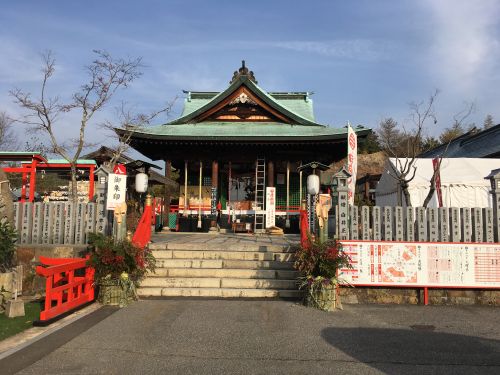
141	182
312	184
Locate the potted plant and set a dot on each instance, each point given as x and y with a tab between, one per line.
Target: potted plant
119	267
319	264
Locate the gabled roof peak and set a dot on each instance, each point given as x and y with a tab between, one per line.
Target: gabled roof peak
243	71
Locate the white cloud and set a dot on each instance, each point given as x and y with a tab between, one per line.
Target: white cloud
465	45
361	49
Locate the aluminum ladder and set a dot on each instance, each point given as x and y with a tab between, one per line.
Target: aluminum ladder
260	195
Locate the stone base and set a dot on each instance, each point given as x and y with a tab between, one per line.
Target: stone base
14	308
415	296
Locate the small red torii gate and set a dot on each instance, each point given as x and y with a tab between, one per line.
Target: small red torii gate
34	160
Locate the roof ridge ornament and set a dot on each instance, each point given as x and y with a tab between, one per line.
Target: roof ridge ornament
243	71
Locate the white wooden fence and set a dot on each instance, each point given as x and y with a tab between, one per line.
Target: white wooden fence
57	222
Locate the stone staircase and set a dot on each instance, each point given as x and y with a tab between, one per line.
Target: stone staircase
214	270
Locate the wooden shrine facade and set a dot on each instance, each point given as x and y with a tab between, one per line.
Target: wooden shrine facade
219	138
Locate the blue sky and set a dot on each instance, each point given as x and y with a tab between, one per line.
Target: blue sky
364	60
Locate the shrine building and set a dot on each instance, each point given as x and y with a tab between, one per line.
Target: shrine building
230	145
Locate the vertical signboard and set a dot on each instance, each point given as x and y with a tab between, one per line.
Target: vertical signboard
421	224
488	224
270	207
466	225
117	185
213	201
477	224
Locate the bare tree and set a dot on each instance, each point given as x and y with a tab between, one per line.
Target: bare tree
458	123
129	123
106	76
8	138
409	145
458	127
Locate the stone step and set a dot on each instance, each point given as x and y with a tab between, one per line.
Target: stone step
219	263
223	272
225	255
218	292
209	282
197	246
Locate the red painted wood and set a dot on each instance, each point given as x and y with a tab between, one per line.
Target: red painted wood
63	290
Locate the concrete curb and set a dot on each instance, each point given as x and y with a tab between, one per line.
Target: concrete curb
23	339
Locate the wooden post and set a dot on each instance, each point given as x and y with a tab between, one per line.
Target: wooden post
185	188
300	184
199	195
166	195
287	221
270	174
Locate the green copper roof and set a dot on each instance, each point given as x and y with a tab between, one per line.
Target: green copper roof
298	118
299	103
241	130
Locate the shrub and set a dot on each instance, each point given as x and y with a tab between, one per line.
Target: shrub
8	238
112	259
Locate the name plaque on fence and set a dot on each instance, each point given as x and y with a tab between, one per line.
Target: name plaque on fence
376	223
432	217
444	221
36	237
456	233
467	225
48	217
488	224
58	223
398	212
422	264
365	222
388	223
26	223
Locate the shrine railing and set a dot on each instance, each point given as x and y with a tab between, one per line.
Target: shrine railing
65	291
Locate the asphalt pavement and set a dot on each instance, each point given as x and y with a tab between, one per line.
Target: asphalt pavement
179	336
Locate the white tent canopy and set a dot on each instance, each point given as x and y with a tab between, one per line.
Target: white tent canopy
463	183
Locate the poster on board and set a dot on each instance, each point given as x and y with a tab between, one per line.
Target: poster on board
422	264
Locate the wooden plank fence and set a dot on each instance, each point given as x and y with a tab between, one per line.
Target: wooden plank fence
444	224
58	222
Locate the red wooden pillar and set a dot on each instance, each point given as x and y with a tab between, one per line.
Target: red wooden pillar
166	193
32	180
91	183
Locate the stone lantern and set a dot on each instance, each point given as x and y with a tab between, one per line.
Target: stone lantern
340	190
494	178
